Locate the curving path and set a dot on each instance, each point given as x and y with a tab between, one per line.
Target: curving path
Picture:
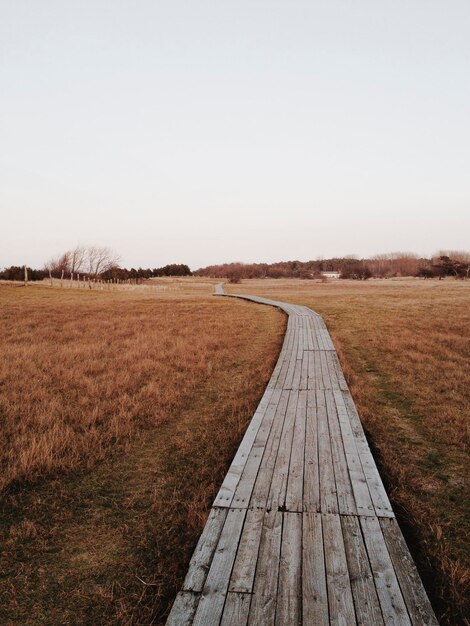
302	531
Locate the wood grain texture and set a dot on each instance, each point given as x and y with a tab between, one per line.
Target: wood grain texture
416	600
314	593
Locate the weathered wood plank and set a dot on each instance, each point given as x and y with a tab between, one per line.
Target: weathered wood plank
301	344
202	556
328	344
280	384
232	478
210	607
304	371
311	495
242	495
317	373
416	600
324	370
314	342
377	491
316	333
262	484
289	602
293	360
366	602
236	609
328	499
358	480
310	337
314	593
264	600
295	482
311	380
344	492
297	374
388	590
244	567
278	488
334	381
340	599
183	609
277	377
335	365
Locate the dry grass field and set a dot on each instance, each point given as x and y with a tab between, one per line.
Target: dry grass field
405	348
120	413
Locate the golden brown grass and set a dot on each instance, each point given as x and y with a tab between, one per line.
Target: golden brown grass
121	412
405	348
83	371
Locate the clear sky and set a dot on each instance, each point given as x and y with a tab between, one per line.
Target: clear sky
208	131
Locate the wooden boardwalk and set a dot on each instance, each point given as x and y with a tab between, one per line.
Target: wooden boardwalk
302	531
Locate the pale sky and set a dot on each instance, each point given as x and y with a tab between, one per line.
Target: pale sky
202	132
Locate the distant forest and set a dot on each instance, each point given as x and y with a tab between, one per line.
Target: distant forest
449	263
173	269
101	263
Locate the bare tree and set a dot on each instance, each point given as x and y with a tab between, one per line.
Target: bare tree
91	260
57	265
99	260
76	260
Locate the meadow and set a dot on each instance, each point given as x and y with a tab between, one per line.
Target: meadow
121	411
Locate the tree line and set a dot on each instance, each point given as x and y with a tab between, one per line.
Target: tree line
444	263
120	273
93	262
16	272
